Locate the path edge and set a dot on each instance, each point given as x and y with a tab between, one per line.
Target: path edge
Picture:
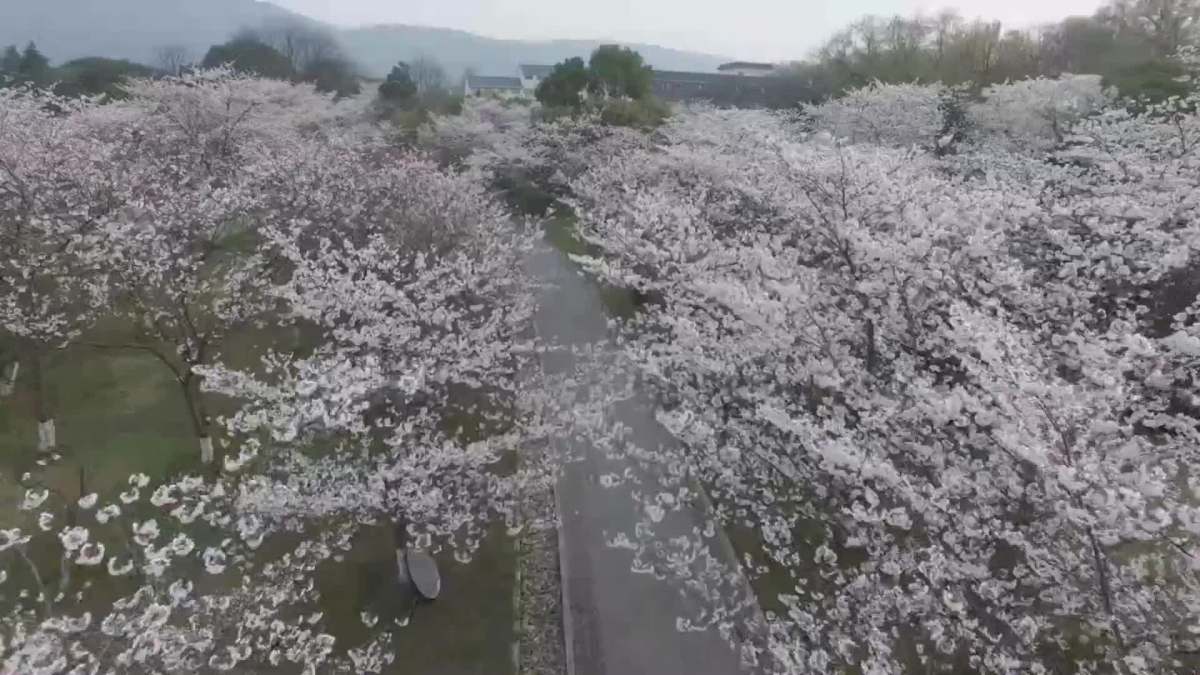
564	585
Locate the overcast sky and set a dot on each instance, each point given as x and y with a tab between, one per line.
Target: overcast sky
745	29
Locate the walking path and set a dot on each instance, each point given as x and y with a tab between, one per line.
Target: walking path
616	622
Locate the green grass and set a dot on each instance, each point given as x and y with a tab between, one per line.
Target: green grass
560	233
769	585
468	630
117	413
120	412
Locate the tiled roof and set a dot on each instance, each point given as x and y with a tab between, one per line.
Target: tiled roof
493	82
529	71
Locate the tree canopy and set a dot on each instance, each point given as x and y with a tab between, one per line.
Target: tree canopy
302	43
35	67
96	76
939	389
10	60
27	66
252	56
611	72
313	52
565	85
212	203
926	353
614	82
332	75
399	86
618	72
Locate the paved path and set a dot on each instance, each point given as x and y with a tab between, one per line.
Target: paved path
615	622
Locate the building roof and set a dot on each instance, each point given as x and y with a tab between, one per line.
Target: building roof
682	76
746	65
530	71
493	82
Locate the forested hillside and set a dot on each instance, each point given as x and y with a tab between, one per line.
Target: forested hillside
378	47
137	29
128	29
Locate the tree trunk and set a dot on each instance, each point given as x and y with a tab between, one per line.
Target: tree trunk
47	434
199	416
400	540
870	345
9	384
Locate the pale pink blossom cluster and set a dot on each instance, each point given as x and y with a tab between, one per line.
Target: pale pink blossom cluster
953	401
396	310
1035	114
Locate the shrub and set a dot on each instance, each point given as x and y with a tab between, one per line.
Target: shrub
647	113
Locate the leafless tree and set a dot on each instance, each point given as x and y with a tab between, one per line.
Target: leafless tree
1165	24
427	74
302	43
172	59
946	26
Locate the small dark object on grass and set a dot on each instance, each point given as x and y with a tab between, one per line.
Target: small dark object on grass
423	574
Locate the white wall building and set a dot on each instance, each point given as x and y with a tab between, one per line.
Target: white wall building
532	75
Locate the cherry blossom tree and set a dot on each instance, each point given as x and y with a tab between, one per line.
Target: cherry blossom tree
885	114
950	399
146	580
184	259
412	276
408	405
1037	113
488	132
946	395
57	194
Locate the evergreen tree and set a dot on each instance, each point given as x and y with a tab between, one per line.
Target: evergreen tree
94	76
399	85
34	67
564	86
250	55
619	72
332	75
10	61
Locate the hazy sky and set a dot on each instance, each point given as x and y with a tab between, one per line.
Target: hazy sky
746	29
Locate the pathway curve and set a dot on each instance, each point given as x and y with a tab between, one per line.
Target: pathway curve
615	622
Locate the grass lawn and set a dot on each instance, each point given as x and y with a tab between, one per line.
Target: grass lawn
768	585
468	630
117	413
121	412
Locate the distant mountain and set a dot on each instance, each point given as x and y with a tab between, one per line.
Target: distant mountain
377	48
128	29
134	29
